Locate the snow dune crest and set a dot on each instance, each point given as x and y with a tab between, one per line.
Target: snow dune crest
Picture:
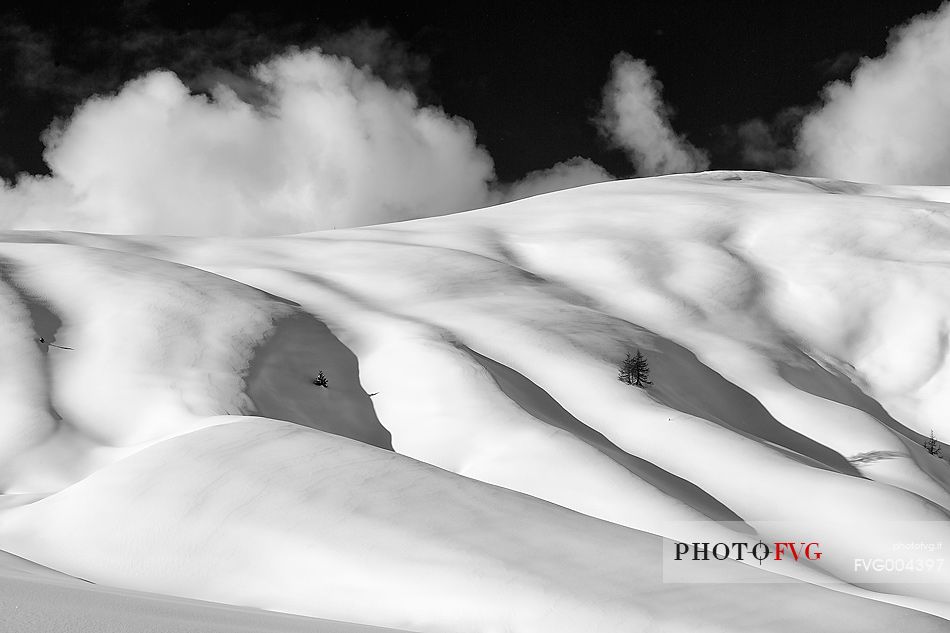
274	515
797	332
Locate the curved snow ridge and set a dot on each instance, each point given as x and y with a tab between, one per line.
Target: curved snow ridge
796	331
25	409
280	382
274	515
542	406
663	254
106	353
552	287
11	565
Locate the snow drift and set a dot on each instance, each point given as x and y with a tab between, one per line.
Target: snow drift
474	464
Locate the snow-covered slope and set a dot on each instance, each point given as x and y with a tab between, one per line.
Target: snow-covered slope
268	514
797	332
33	598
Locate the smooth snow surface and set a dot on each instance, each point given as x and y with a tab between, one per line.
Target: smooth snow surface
33	598
474	464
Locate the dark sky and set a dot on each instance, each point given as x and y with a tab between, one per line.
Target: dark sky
529	76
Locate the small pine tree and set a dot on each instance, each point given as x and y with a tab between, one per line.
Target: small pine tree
932	445
635	370
321	381
641	370
626	370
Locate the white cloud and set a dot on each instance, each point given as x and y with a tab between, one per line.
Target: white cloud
573	172
308	141
890	123
635	118
331	145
